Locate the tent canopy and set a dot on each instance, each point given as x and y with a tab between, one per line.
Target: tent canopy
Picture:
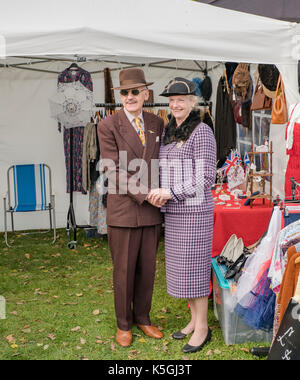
279	9
181	29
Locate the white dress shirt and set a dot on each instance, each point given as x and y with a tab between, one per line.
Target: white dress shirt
131	118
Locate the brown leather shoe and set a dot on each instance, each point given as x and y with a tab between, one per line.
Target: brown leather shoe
124	338
151	331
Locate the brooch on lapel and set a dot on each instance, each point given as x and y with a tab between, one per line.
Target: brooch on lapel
151	131
179	144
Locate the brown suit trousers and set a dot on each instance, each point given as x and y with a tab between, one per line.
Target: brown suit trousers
133	252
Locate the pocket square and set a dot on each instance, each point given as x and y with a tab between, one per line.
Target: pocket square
157	138
151	131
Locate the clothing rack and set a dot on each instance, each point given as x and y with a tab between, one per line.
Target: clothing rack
148	105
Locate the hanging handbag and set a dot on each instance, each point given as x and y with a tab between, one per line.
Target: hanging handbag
260	100
279	111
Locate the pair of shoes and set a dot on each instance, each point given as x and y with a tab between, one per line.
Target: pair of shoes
235	253
227	250
187	349
124	338
151	331
237	266
179	335
231	251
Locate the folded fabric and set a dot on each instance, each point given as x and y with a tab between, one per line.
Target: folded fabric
289	281
279	259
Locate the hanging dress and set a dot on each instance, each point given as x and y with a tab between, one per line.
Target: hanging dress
68	76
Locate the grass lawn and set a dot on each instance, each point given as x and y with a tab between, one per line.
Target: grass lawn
59	305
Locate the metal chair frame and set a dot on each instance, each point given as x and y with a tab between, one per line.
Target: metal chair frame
9	210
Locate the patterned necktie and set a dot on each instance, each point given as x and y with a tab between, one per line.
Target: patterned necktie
140	130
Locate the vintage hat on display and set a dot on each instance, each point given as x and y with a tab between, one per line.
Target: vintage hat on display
241	80
206	88
269	75
198	83
132	78
179	86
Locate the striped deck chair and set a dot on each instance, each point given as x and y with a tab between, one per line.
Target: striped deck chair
29	190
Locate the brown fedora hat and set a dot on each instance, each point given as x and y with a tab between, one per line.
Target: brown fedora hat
132	78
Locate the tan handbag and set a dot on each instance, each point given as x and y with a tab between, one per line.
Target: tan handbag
279	111
260	100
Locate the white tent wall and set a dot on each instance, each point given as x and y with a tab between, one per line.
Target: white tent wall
29	135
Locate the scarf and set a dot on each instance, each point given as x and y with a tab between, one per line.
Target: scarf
183	132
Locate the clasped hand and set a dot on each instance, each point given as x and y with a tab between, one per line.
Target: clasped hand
158	197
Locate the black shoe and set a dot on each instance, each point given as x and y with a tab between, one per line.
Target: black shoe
260	351
179	335
189	349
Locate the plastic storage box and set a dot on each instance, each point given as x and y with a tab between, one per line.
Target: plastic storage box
234	330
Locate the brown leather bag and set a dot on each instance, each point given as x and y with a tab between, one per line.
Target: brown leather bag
279	111
260	100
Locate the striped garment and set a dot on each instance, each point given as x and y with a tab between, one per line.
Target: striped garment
29	188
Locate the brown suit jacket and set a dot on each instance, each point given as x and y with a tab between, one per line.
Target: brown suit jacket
127	207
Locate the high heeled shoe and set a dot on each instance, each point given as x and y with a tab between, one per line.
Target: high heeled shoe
187	349
227	250
179	335
236	252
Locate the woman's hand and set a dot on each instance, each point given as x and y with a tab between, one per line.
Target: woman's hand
158	197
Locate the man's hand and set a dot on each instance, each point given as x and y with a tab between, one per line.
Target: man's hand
158	197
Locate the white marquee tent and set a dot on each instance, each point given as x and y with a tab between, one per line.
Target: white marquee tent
48	36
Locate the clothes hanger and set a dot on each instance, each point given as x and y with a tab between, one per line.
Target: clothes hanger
74	67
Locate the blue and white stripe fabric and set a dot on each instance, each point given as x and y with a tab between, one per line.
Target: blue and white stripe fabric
29	188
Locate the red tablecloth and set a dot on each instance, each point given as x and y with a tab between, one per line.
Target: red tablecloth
247	223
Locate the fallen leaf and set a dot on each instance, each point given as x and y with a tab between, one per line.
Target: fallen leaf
244	349
75	329
27	256
96	312
142	340
51	336
14	346
46	347
113	347
10	338
82	341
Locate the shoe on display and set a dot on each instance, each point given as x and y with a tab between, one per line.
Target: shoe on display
227	250
236	252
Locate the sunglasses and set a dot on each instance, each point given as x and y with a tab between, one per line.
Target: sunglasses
134	91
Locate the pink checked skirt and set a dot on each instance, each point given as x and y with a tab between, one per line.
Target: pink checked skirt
188	251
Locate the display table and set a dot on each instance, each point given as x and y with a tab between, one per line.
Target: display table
233	217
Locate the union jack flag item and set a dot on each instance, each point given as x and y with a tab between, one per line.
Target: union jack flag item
239	160
246	160
232	160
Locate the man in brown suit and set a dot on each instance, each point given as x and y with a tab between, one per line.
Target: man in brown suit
129	147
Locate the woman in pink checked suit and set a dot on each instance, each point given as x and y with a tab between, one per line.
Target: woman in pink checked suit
187	172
